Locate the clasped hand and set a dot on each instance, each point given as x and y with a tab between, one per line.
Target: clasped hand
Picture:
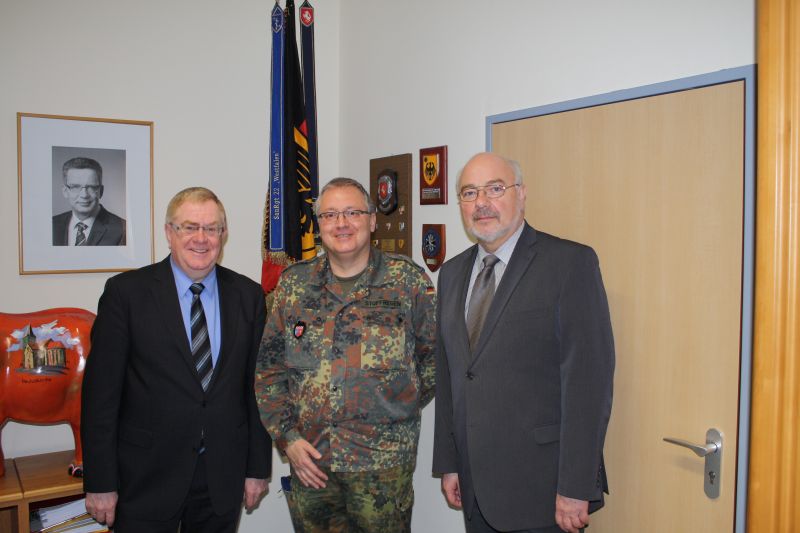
303	456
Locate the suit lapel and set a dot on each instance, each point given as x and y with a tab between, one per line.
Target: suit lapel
228	302
61	233
98	228
165	293
521	258
463	273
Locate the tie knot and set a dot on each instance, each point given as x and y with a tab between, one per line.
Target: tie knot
197	288
81	226
490	260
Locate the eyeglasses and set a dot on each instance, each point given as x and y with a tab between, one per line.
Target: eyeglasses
493	190
76	189
329	217
191	230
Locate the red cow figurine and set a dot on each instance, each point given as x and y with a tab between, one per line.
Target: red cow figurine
42	361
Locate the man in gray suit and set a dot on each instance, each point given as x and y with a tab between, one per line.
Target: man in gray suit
88	223
525	366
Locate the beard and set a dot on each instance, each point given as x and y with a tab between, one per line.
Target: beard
490	236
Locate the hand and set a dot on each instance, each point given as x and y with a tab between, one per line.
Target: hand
101	506
302	455
571	514
452	490
253	490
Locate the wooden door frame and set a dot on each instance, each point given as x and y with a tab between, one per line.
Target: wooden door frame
775	437
747	75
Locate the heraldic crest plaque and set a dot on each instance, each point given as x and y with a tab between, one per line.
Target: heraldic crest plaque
433	175
387	191
433	245
390	189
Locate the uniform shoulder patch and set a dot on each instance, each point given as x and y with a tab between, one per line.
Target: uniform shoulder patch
298	264
404	259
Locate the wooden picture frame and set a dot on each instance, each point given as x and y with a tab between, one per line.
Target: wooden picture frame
59	159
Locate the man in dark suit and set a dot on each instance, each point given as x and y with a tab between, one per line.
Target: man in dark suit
525	366
88	223
170	427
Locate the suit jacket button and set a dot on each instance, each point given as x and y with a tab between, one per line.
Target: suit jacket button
470	376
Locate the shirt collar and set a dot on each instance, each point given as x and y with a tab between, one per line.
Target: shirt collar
88	221
372	276
506	249
183	282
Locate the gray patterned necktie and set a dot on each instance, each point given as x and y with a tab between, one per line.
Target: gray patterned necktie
80	237
201	345
481	299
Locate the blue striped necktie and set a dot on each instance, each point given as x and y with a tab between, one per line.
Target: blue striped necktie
201	345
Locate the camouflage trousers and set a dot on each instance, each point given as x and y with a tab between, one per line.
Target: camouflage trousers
355	502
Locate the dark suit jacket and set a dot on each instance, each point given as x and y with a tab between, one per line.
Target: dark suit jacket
108	229
525	416
143	407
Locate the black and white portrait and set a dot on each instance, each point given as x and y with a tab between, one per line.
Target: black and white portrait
88	197
85	194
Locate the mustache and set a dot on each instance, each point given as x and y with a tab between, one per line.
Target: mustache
484	211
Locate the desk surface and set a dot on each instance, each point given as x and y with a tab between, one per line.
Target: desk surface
46	475
10	491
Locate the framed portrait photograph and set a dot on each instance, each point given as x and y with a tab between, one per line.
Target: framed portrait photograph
85	194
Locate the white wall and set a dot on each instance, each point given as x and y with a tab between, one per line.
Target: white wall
425	73
392	77
200	70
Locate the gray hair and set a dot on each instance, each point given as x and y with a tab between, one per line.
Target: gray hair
344	182
513	164
194	195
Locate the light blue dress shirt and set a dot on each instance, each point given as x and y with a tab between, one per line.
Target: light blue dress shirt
210	300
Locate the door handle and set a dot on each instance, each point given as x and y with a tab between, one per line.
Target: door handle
712	451
700	450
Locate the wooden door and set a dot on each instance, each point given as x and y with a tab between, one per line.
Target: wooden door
655	185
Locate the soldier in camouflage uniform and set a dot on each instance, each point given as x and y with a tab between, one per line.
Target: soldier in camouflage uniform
345	366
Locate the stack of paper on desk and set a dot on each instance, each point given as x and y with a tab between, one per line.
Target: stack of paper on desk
66	518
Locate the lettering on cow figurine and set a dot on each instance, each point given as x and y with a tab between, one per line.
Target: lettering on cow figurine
37	380
43	355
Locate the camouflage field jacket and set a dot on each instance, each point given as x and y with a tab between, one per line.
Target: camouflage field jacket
349	373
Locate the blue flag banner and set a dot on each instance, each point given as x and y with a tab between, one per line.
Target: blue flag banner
289	222
274	218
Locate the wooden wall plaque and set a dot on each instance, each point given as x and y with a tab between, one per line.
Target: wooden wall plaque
434	246
390	189
433	175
